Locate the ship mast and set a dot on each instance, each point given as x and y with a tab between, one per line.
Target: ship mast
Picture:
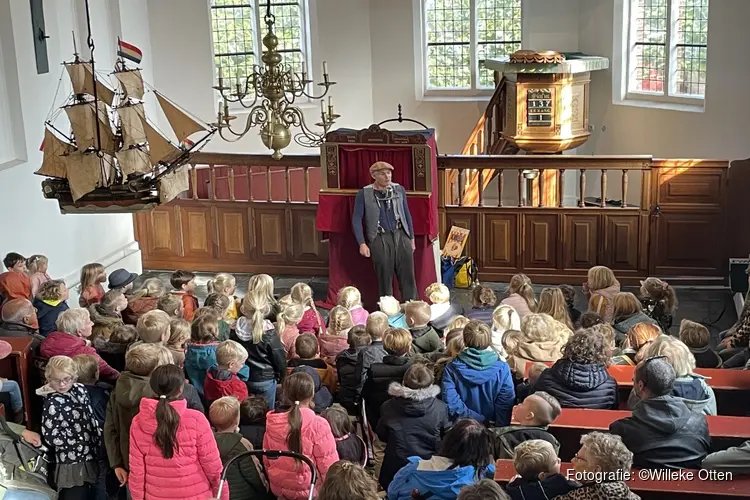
90	42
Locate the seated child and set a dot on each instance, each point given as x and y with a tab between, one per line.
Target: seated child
113	350
350	299
170	304
36	266
11	387
424	338
312	321
532	418
483	301
454	345
442	310
538	468
348	481
527	385
253	412
50	301
477	384
323	398
221	379
504	319
201	351
144	300
695	336
92	291
346	369
121	279
217	305
377	325
570	300
397	344
15	283
659	301
179	334
391	307
459	321
286	325
88	375
262	286
335	339
589	319
107	314
225	284
412	422
348	445
245	477
520	295
600	288
184	286
486	489
154	327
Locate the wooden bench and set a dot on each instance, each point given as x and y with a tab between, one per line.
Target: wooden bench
725	384
697	488
573	423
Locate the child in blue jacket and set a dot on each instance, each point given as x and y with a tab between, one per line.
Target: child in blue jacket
477	384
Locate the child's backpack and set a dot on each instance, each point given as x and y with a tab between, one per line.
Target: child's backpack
459	273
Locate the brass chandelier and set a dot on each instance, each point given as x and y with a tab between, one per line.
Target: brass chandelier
276	86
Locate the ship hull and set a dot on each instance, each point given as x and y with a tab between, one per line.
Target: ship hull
101	200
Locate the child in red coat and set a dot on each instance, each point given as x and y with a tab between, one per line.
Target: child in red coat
176	443
221	379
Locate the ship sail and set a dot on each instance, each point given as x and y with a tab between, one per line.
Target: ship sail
82	78
159	147
84	173
132	120
182	124
133	161
83	121
131	82
55	149
174	183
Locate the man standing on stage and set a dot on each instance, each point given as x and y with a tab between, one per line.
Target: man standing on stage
388	235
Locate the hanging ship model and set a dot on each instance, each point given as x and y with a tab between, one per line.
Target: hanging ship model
114	159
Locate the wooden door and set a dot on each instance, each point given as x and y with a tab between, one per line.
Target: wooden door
688	220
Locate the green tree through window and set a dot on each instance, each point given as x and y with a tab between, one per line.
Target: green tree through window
238	28
668	47
461	33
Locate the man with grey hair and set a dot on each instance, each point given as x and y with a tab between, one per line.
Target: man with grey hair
19	320
662	433
388	233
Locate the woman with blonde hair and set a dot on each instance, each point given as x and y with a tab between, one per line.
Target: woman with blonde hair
552	301
626	313
633	348
336	339
144	300
542	339
600	288
520	295
688	386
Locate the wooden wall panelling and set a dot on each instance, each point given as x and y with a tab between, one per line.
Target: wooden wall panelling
580	240
306	240
622	241
196	222
680	187
159	233
499	241
270	234
541	239
467	218
233	226
689	244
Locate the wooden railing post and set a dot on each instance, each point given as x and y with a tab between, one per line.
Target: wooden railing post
541	187
268	184
500	188
603	203
520	188
560	186
212	181
307	184
194	179
480	187
582	187
624	189
461	183
231	183
249	182
288	185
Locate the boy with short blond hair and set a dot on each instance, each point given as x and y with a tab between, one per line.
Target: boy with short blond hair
171	304
534	415
538	466
221	379
153	327
424	338
377	325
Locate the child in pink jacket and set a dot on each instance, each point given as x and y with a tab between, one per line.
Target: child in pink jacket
173	454
300	430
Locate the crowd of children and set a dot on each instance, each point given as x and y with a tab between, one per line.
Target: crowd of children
147	390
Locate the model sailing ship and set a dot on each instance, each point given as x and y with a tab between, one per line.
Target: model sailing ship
114	159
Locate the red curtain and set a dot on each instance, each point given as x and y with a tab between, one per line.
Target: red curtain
355	161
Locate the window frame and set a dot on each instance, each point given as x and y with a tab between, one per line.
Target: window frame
258	48
475	93
623	61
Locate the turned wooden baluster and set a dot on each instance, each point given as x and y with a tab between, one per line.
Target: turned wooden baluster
307	184
540	177
212	182
560	186
231	184
603	203
500	188
249	182
624	188
480	187
582	187
288	185
268	184
520	188
461	181
194	179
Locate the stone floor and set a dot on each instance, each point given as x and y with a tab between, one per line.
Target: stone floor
712	307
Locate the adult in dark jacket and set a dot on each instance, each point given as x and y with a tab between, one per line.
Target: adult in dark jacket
19	320
580	378
266	356
662	433
397	343
346	369
412	422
